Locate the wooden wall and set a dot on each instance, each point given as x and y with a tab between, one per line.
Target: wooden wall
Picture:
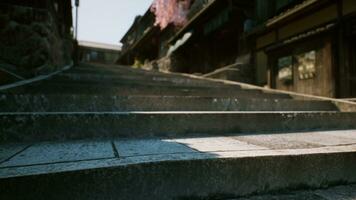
323	84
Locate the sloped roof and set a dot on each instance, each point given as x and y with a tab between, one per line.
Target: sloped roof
100	45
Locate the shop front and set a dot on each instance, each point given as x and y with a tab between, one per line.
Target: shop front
304	66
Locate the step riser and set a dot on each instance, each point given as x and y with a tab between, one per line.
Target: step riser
134	79
89	83
188	179
77	103
144	90
46	127
140	83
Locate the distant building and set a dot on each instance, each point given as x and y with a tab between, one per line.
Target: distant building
98	52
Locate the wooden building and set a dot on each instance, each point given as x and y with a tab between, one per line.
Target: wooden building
307	46
212	37
141	41
209	40
94	52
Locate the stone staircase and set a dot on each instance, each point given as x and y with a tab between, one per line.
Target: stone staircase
130	130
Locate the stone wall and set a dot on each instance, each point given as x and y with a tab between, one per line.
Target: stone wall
30	40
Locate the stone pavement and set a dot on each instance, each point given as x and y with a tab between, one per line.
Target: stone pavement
264	160
340	192
112	132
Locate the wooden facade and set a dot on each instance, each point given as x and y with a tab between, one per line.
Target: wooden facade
93	52
305	46
319	30
216	37
214	28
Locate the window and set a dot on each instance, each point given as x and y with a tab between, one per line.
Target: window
285	70
305	64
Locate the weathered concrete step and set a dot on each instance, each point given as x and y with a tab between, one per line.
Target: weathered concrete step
122	71
48	87
117	69
144	81
342	192
19	127
132	77
93	103
110	71
166	169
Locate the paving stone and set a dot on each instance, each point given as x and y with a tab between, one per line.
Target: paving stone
150	147
322	138
335	193
61	152
277	141
6	151
213	144
299	140
339	193
291	196
351	134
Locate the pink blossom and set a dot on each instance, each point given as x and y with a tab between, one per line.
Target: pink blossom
170	11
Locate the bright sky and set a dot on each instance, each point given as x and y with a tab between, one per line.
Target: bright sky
107	21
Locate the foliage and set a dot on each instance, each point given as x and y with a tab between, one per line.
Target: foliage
170	12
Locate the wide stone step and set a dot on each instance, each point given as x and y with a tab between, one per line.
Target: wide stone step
48	87
131	77
89	80
44	126
116	69
183	168
94	103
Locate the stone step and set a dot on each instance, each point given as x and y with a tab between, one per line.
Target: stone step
87	68
183	168
44	126
340	192
48	87
102	103
110	71
123	71
149	81
98	76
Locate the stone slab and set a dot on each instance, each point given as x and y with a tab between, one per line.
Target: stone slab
283	196
321	138
213	144
52	126
86	103
277	141
300	140
46	153
128	148
338	193
347	192
6	151
351	134
183	176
